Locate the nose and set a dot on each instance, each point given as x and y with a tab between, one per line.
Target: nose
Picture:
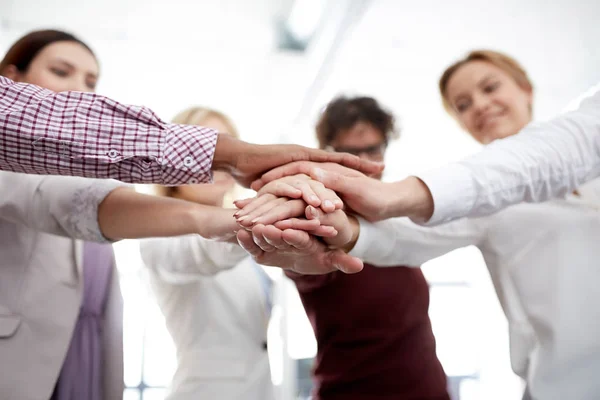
480	103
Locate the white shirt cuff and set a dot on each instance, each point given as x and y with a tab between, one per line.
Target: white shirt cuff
367	234
453	192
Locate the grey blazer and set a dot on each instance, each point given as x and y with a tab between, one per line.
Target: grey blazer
41	282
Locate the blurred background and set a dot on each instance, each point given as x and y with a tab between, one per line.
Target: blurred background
272	65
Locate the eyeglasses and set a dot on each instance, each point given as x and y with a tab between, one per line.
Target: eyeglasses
374	151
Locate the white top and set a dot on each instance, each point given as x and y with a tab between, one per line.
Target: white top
544	262
545	160
216	311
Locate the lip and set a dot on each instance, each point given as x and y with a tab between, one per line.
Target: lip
491	119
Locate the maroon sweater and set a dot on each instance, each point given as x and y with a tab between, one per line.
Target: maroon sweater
373	334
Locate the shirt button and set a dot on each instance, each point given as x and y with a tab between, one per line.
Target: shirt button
193	181
188	161
113	153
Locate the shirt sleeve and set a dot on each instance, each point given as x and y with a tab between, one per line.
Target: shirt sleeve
60	205
84	134
184	259
399	241
543	161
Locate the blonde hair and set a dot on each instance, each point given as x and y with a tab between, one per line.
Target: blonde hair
500	60
196	116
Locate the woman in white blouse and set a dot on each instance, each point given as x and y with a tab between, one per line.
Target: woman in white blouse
543	258
215	299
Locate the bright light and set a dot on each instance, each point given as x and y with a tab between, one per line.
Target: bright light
304	18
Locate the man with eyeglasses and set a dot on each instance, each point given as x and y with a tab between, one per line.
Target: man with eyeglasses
381	344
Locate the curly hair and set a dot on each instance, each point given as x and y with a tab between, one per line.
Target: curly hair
344	112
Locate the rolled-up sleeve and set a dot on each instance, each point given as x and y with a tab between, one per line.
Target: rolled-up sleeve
85	134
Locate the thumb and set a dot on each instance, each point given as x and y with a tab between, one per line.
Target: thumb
345	262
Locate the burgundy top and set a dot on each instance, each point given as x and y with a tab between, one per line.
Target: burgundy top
374	335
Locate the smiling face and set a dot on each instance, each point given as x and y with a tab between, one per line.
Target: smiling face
60	66
487	101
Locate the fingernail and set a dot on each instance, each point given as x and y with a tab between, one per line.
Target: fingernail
242	218
255	220
328	203
313	199
313	211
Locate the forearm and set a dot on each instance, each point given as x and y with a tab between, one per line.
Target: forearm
545	160
409	197
398	241
126	214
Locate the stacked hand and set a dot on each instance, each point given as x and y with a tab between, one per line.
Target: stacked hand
296	223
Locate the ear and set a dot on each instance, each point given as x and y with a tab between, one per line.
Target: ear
11	72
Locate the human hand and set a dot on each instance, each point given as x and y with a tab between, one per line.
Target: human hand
311	191
269	208
371	198
346	227
246	162
295	250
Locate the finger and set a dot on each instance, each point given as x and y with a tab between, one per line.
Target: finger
257	184
360	164
243	203
281	188
329	200
303	167
344	262
348	160
246	241
273	236
257	202
335	181
300	224
259	239
301	240
325	231
265	208
294	168
279	211
308	193
314	227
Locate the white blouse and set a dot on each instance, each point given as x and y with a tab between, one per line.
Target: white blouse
216	310
545	160
544	260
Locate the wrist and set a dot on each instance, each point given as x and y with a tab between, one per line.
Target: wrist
226	154
355	226
409	197
213	223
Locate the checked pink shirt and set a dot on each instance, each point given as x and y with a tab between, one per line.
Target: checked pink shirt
84	134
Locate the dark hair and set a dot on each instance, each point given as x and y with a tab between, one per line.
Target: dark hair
27	48
344	112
